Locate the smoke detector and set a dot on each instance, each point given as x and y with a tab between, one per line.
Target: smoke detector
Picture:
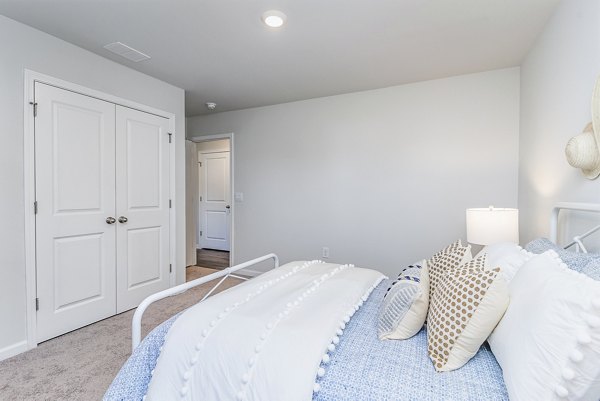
211	105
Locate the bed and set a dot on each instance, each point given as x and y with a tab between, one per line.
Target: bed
352	363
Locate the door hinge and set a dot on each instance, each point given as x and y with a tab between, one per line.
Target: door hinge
34	104
200	199
170	204
170	137
200	163
37	304
170	268
201	233
35	207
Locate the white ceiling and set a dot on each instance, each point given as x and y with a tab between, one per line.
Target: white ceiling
220	51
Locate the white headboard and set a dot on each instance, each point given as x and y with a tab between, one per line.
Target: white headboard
581	207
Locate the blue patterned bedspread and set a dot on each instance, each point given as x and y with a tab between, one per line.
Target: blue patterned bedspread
362	368
367	369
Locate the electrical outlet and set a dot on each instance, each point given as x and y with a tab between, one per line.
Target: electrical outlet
325	252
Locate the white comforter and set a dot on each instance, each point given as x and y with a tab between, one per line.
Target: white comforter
262	340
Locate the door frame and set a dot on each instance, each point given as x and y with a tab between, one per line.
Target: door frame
30	78
230	136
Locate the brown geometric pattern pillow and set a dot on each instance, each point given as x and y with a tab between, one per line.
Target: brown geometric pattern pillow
466	306
450	257
456	246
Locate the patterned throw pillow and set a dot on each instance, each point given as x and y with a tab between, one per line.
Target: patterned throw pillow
454	248
450	257
404	307
467	304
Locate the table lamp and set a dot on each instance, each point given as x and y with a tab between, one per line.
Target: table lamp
489	225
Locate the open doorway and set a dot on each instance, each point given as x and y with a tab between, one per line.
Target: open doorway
210	189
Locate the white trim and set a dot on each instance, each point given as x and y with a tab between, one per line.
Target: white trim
29	198
30	78
66	85
173	214
205	138
230	136
14	349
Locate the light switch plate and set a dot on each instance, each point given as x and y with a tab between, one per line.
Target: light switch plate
239	196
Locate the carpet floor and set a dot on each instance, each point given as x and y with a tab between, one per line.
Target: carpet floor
80	365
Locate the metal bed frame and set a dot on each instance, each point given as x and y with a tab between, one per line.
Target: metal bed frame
136	323
578	207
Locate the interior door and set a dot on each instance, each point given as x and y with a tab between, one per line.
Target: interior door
215	200
142	206
75	194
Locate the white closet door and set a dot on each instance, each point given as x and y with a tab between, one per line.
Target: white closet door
142	206
75	191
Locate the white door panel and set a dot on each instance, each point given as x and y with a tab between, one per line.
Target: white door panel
143	256
143	155
76	282
217	178
215	203
75	191
78	159
216	225
143	200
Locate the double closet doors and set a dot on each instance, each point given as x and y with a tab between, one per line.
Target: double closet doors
102	221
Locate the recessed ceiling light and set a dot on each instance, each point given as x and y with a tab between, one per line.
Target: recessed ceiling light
274	18
211	105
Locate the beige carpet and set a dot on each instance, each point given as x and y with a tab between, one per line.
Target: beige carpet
81	365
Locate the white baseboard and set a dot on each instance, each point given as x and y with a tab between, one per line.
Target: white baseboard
13	350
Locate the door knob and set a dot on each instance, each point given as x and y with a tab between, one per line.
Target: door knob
110	220
122	219
228	207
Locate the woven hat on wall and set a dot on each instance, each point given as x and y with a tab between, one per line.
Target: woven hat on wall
583	150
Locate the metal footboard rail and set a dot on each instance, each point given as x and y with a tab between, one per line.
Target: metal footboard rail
136	323
581	207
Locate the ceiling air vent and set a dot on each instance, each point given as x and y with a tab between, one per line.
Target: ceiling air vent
125	51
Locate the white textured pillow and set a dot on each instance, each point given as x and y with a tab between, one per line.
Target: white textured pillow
404	308
508	256
548	342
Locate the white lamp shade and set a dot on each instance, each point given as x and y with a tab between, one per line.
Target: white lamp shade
490	225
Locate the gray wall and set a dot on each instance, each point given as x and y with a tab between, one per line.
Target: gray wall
22	48
557	79
381	177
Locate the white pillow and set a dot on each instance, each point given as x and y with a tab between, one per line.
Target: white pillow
508	256
548	342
